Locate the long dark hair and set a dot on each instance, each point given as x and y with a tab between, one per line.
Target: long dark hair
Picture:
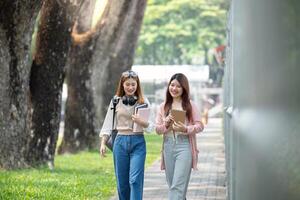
127	75
186	104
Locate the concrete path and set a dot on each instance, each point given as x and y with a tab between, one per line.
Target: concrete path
208	183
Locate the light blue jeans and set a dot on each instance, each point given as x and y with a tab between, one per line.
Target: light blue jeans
129	160
178	162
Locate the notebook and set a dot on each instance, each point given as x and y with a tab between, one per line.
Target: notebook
144	105
179	115
144	113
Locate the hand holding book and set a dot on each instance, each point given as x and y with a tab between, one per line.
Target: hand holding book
179	127
169	120
141	117
179	120
139	121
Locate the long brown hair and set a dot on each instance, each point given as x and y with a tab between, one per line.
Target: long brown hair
127	75
186	104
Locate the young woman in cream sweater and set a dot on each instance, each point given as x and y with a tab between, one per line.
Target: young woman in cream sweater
129	149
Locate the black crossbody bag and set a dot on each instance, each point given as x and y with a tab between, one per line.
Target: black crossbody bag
111	139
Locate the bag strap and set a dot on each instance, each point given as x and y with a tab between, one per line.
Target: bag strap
115	101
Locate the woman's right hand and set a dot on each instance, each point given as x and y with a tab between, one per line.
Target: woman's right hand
169	120
103	150
103	147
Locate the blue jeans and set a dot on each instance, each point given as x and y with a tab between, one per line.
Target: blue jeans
129	160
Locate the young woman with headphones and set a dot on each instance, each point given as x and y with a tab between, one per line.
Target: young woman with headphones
129	150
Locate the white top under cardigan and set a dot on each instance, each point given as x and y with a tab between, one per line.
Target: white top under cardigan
123	121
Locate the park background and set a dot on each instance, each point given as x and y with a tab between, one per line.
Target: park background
49	136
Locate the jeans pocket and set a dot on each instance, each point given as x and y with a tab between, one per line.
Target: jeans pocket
117	138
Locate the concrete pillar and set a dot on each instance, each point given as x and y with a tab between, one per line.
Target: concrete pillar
262	97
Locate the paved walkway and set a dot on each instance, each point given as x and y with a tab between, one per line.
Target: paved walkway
208	183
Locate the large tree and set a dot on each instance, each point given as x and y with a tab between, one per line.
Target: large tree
114	50
17	20
31	88
47	75
109	50
79	128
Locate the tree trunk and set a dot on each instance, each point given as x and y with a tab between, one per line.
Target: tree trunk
114	50
47	76
17	20
79	131
114	42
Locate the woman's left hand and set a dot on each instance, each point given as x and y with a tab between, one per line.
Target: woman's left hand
140	121
179	127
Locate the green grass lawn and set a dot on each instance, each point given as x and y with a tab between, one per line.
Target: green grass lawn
81	176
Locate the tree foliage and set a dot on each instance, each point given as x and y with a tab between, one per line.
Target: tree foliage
181	31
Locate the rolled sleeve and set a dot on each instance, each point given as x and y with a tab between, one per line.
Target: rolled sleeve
107	123
196	126
160	125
